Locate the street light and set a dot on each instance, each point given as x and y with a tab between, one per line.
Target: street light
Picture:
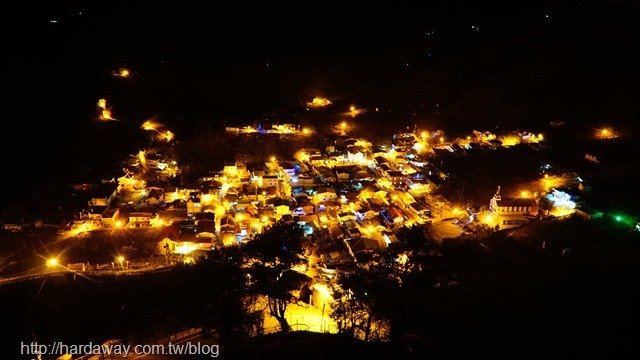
120	260
52	262
606	133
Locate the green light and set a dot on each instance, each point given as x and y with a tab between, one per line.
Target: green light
618	218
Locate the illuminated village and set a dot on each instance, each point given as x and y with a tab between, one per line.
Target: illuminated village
351	195
281	183
351	190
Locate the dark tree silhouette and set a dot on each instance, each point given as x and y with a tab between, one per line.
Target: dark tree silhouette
369	297
414	238
230	312
272	255
373	298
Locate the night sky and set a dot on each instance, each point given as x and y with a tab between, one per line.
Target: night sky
456	65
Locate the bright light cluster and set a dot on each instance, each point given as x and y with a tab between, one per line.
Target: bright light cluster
561	199
319	102
161	132
104	113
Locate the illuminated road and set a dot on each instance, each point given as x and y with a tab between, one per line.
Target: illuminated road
303	317
49	273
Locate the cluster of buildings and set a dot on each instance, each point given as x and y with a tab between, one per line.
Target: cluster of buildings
349	196
283	129
350	193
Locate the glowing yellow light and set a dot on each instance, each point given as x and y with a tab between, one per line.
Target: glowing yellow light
559	212
206	199
124	73
403	258
306	131
524	194
606	133
273	159
550	182
105	115
319	102
159	222
149	125
302	156
142	158
540	137
424	135
468	137
119	223
186	248
456	211
362	143
323	292
441	140
264	218
371	229
168	136
220	210
510	140
52	262
489	219
343	125
418	147
120	259
323	218
352	108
